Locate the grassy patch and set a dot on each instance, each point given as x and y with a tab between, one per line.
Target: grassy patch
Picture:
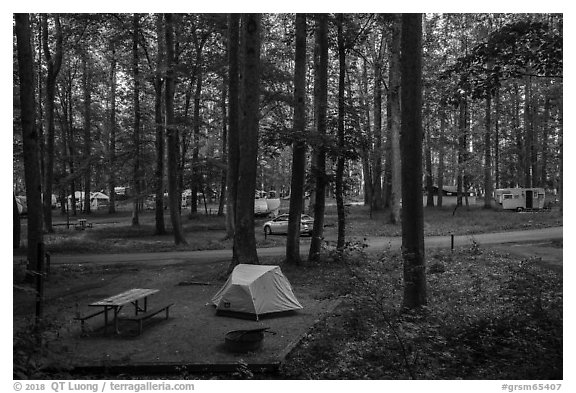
488	317
443	221
115	234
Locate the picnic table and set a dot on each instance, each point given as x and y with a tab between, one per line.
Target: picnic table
82	224
137	297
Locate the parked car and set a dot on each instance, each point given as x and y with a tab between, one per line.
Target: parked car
279	225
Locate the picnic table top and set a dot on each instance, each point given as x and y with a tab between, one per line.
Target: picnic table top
125	297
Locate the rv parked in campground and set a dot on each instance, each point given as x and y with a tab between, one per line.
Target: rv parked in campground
520	199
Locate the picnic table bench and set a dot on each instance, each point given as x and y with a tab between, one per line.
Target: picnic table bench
135	296
82	224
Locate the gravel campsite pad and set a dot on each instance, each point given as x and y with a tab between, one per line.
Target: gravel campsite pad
193	334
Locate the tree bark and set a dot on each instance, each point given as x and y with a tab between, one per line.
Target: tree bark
29	137
411	145
136	134
16	226
244	236
320	109
53	66
159	142
86	88
233	119
377	200
395	121
367	146
545	137
174	196
528	131
488	187
298	146
112	136
497	138
441	153
222	199
341	141
462	131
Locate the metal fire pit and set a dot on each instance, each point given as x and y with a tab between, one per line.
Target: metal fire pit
241	341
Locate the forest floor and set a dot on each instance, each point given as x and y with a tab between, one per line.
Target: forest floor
493	313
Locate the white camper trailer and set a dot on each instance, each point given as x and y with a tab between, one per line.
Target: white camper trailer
520	199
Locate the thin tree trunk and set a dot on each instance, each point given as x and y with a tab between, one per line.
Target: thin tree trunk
528	131
377	159
367	146
545	137
461	149
429	176
341	141
112	136
441	153
159	142
172	135
16	226
86	87
29	137
244	235
518	136
53	65
196	176
233	118
488	156
222	201
136	135
298	146
497	138
320	109
411	144
395	120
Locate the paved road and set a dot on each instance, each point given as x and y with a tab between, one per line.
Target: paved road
374	245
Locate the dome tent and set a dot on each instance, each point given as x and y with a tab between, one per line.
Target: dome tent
254	290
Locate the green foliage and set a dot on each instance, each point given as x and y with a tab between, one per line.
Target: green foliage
489	317
516	50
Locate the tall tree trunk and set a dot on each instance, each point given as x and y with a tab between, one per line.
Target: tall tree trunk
222	201
136	136
53	65
29	137
377	201
395	120
462	139
244	235
441	153
519	167
233	119
545	137
87	90
488	188
528	131
160	227
429	176
16	226
112	136
497	138
196	175
411	145
367	146
174	197
341	141
298	146
320	109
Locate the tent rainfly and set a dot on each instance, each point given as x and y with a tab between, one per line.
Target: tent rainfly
254	290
